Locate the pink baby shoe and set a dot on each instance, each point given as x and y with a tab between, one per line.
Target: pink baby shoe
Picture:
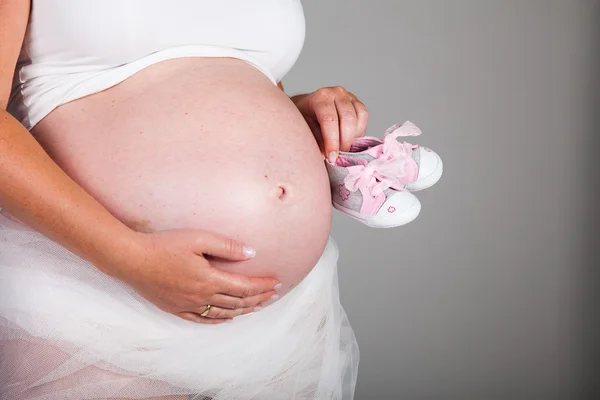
365	190
422	167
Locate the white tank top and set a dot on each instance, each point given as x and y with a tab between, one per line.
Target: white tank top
74	48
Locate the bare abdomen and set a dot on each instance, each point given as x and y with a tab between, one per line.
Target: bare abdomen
201	143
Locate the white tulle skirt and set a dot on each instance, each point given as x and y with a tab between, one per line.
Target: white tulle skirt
68	331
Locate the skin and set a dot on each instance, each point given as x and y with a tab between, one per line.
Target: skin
282	181
251	173
36	191
335	116
44	197
177	265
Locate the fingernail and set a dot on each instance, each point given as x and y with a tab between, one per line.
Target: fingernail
332	156
258	308
277	286
248	251
228	321
274	297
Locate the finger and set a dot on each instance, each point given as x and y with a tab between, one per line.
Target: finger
224	301
241	286
347	117
225	313
362	116
316	129
327	117
224	247
190	316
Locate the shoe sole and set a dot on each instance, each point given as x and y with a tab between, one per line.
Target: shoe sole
371	221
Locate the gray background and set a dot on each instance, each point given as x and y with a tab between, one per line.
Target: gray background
487	295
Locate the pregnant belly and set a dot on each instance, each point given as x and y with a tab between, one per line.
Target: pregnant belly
201	143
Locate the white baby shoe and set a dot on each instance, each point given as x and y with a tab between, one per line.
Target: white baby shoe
423	166
372	181
362	190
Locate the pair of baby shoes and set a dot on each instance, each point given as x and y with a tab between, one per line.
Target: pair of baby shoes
373	181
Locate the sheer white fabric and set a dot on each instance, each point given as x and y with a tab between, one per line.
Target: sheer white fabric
68	331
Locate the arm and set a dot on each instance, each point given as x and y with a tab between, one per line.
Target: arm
32	187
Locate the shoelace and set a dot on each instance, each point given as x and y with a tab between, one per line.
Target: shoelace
389	169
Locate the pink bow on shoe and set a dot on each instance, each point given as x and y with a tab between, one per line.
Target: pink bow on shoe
393	165
406	129
394	151
392	148
378	175
365	176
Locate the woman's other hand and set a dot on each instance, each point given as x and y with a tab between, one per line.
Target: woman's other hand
168	269
335	116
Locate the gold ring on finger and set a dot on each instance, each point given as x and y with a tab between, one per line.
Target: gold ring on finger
206	310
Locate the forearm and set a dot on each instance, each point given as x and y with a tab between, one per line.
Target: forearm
36	191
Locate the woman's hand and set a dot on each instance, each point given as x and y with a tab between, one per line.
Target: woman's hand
335	116
169	270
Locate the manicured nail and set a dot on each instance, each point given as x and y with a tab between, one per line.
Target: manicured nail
277	286
248	251
274	297
332	156
257	308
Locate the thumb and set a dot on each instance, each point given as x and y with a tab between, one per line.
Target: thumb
225	247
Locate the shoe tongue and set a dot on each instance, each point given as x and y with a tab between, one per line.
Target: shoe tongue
369	154
345	161
363	143
363	156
